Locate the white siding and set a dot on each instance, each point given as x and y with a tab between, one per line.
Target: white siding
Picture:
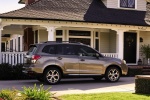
112	3
105	2
112	42
145	36
104	42
146	40
108	42
141	5
43	35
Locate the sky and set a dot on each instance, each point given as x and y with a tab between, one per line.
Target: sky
9	5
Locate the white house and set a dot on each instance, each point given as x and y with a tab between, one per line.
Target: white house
116	28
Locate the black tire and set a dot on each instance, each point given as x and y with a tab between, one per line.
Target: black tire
112	74
40	79
52	76
98	78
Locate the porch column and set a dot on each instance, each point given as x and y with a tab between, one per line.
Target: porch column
21	43
120	43
1	28
51	33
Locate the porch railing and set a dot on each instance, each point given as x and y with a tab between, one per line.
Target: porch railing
114	55
13	58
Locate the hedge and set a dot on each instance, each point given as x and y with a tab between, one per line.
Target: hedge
9	72
142	85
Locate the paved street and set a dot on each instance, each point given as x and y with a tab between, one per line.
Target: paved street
73	86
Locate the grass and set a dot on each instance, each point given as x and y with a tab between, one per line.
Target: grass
106	96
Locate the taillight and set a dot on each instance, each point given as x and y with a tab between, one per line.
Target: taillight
35	58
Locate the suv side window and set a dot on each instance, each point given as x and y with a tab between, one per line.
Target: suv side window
66	49
32	49
50	49
86	51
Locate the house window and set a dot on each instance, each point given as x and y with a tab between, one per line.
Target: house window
127	3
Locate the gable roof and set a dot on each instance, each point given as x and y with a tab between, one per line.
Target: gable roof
77	10
22	1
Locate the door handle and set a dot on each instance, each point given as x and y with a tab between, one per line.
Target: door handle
82	59
59	58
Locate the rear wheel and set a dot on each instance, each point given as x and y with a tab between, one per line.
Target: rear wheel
52	75
112	74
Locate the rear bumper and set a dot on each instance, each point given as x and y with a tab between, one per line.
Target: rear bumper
30	72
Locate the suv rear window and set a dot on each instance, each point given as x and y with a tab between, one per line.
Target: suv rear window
32	49
50	49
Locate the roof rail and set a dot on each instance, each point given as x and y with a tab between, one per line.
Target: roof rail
63	42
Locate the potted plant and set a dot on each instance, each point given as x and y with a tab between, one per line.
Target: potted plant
145	50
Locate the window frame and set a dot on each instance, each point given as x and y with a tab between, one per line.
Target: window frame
135	5
49	48
64	49
96	52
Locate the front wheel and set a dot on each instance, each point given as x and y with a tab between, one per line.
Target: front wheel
52	76
112	74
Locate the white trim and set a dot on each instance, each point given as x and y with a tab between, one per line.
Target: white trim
63	35
99	36
138	47
1	28
21	43
51	33
17	43
92	39
120	43
128	8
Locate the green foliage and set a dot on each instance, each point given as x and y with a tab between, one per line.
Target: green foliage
7	94
9	72
6	71
35	93
106	96
30	93
142	86
145	50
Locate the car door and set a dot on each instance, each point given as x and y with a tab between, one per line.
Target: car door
67	56
88	62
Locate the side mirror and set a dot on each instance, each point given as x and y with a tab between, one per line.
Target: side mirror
97	56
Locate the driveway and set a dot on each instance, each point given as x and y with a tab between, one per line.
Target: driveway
75	86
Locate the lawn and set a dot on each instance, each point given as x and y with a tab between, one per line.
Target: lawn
106	96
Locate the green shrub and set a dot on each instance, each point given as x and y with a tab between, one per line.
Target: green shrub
35	93
142	86
9	72
7	94
6	71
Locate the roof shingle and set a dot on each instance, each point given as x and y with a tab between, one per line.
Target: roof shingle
77	10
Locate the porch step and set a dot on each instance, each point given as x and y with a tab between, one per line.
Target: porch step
146	70
146	73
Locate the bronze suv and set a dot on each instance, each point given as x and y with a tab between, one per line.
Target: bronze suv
51	61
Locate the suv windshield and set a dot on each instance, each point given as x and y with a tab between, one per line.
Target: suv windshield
31	50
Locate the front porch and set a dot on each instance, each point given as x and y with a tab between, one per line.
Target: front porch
108	39
15	58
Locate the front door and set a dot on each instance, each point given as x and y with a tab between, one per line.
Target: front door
130	47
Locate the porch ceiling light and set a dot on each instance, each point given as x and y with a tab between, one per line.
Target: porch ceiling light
147	15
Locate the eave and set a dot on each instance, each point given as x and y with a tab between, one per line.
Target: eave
21	1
